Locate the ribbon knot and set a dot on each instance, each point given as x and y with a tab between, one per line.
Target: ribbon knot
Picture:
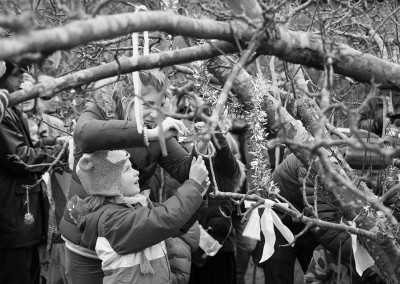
268	219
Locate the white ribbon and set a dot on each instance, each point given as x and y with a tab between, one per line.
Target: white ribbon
268	220
46	179
71	158
137	85
253	230
362	258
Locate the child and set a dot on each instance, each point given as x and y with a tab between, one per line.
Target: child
129	239
216	218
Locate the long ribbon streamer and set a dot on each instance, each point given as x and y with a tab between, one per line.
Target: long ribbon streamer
137	85
362	258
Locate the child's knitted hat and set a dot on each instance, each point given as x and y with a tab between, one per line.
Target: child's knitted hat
100	172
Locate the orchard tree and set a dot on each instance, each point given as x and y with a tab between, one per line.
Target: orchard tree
295	69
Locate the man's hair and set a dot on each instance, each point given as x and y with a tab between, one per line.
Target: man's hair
10	69
154	78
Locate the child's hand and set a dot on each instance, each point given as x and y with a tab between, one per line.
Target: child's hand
205	184
198	170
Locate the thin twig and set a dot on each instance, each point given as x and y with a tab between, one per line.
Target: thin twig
50	165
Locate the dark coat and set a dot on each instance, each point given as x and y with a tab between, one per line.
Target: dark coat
289	176
229	175
15	140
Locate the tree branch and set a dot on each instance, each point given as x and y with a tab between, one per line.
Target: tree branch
293	46
300	217
52	87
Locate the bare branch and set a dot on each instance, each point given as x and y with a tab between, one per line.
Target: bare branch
300	217
52	87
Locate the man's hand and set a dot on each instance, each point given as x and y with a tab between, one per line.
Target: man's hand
171	127
199	173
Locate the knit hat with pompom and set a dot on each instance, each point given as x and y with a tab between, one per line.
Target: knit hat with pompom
100	172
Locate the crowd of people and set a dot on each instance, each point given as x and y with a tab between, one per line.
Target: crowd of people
114	225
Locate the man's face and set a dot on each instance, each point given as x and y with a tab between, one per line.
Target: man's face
28	105
50	105
12	83
152	100
14	80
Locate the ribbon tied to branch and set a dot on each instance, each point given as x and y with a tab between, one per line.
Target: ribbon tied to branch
266	224
362	258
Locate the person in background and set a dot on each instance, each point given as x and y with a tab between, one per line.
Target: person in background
22	222
49	123
125	229
373	168
371	113
279	268
324	268
244	245
51	128
216	217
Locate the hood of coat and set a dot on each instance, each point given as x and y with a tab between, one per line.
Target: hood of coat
88	227
88	223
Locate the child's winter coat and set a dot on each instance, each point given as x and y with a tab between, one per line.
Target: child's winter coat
129	240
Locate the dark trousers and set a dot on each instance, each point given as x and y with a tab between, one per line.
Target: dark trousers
279	268
83	270
19	265
219	269
244	247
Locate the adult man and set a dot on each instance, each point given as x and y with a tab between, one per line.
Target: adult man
21	215
289	176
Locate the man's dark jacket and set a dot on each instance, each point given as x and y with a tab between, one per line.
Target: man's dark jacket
15	140
289	176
